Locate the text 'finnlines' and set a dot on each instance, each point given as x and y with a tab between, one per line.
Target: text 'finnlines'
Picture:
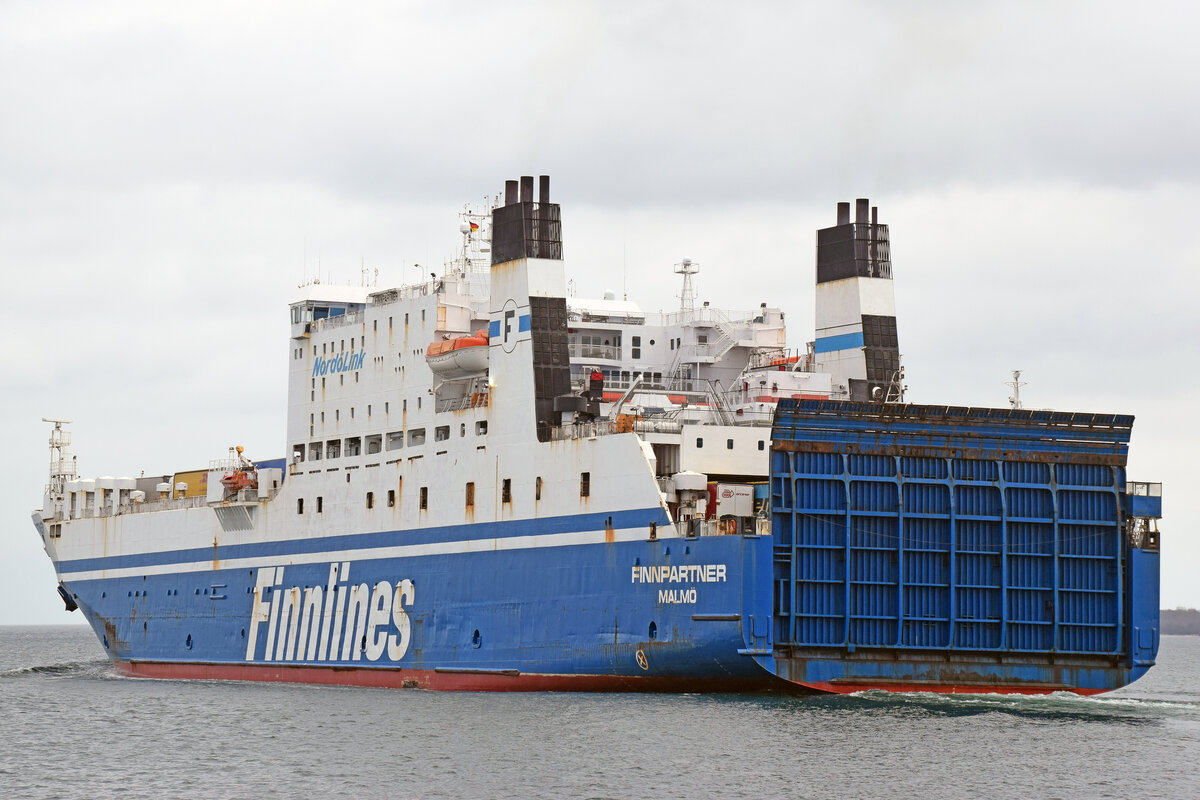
335	622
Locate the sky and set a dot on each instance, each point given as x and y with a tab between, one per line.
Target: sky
170	173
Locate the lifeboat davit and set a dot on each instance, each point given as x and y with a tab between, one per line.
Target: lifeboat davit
462	357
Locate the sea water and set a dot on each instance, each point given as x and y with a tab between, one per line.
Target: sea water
72	727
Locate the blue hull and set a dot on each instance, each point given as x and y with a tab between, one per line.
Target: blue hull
584	614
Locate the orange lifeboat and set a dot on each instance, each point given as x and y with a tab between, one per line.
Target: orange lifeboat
462	357
238	479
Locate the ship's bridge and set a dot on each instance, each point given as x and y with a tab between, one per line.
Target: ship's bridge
323	305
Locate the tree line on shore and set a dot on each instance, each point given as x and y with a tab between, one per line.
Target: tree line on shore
1184	621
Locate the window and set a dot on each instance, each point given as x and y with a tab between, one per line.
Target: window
416	436
635	351
537	488
470	494
761	444
481	427
314	451
300	505
702	338
337	414
395	440
441	433
370	499
406	319
506	491
386	406
462	429
391	498
699	442
729	444
389	323
422	315
585	484
424	497
341	380
374	325
368	404
320	505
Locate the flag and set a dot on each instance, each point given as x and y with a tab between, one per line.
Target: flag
474	227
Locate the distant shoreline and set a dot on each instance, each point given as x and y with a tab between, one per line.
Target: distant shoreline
1180	621
1172	622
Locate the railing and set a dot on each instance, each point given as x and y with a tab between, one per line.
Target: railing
704	315
475	400
328	323
609	352
581	430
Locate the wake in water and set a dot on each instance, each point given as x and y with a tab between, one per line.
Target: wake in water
101	669
1058	705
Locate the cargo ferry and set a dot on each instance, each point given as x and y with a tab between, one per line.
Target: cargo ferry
491	484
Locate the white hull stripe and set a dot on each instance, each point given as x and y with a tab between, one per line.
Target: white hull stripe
367	554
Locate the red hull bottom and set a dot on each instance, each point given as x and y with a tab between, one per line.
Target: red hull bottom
513	681
448	680
850	688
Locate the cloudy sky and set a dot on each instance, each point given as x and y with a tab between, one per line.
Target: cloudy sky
170	172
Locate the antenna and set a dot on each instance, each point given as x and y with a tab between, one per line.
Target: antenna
1016	383
687	296
624	274
62	464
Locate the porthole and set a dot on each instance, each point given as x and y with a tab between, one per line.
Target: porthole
476	639
653	632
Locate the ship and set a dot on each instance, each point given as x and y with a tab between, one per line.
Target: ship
492	484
